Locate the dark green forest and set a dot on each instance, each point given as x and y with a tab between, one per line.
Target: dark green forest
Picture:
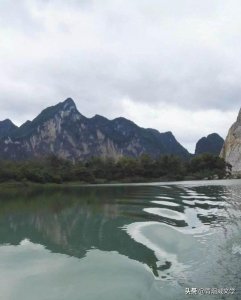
53	169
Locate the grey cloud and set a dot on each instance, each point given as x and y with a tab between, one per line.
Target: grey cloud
99	52
17	16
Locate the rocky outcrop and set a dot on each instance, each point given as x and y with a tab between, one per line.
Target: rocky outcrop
62	130
212	144
231	150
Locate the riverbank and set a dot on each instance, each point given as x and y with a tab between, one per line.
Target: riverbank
125	170
101	182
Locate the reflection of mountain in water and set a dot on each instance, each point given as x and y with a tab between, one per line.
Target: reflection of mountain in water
71	221
74	220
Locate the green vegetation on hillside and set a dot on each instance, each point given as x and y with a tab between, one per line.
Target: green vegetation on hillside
96	170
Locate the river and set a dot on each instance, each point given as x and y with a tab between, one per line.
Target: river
123	242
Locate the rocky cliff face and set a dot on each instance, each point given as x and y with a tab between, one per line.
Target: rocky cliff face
231	150
62	130
212	144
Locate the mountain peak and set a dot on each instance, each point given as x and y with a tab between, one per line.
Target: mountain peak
212	143
7	122
99	119
49	112
68	103
62	130
6	127
66	107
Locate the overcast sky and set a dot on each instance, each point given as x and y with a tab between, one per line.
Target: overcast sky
166	64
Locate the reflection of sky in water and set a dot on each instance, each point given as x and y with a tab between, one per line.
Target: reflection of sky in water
92	242
164	212
32	272
166	203
164	197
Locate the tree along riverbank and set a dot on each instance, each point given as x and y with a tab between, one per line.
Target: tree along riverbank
53	169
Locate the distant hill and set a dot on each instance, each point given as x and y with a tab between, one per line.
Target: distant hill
62	130
213	144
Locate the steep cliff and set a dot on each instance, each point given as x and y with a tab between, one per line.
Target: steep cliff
213	144
231	150
62	130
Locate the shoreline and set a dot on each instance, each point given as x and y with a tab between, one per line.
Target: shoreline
30	184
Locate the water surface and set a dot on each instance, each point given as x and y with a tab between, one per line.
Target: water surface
150	241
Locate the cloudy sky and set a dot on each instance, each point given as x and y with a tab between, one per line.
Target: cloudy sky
170	65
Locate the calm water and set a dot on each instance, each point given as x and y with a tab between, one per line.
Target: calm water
120	242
